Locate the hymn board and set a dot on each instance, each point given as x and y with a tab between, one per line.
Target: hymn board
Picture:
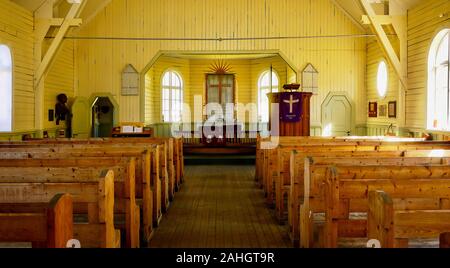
294	111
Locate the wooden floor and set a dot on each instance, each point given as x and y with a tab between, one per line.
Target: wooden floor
220	207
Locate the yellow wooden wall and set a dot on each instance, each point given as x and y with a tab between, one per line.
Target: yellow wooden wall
59	79
153	85
16	31
340	61
379	125
193	73
423	23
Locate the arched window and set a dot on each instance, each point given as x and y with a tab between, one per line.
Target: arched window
438	82
382	79
172	97
267	83
6	89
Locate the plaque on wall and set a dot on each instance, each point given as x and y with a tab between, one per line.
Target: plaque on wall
373	109
392	109
383	110
130	81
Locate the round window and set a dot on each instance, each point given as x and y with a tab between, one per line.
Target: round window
382	79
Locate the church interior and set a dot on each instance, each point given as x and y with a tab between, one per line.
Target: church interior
225	124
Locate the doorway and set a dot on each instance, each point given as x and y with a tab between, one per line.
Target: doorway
102	117
337	120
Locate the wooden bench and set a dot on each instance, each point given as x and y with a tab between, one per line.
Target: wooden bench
174	152
276	160
160	185
299	169
48	225
147	172
287	173
94	196
261	157
393	226
67	168
342	189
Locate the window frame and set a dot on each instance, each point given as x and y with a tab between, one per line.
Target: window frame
11	52
431	122
171	88
268	88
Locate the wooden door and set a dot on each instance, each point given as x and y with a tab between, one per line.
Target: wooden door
81	118
337	116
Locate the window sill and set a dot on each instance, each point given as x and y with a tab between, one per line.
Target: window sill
435	131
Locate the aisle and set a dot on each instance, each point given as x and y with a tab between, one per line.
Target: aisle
220	207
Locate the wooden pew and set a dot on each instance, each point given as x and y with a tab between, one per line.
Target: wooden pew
287	142
174	152
296	170
47	225
279	159
317	141
96	197
124	176
148	170
161	185
393	227
344	188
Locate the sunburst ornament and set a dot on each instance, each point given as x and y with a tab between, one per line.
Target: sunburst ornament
220	67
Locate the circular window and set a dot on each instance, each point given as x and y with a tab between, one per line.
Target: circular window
382	79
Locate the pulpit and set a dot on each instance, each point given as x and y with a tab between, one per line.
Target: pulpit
294	112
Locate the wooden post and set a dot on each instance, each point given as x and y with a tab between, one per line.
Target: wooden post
444	240
331	209
60	221
380	219
147	195
305	222
132	235
106	209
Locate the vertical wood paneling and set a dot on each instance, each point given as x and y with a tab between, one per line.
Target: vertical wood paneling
423	23
60	79
374	56
340	61
16	31
193	72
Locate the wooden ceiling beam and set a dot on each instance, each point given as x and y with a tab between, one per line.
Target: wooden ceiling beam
385	43
67	22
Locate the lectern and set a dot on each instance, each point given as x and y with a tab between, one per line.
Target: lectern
294	112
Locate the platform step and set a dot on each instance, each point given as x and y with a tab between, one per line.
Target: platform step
219	160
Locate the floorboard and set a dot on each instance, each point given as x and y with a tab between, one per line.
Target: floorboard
220	207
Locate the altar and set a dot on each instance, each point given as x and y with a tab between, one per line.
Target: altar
223	139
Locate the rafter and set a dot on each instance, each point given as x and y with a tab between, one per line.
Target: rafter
384	41
67	22
348	15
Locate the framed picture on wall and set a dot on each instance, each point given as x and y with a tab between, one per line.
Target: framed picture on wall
392	109
383	110
373	109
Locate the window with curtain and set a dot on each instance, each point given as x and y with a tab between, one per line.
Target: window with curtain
172	97
438	83
268	82
6	89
